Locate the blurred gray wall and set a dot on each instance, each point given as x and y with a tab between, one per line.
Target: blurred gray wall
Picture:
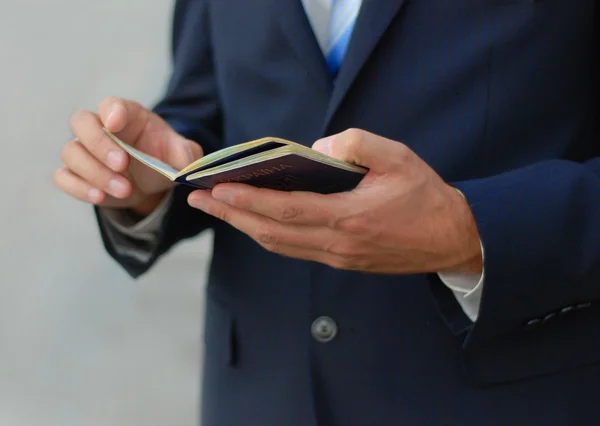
81	343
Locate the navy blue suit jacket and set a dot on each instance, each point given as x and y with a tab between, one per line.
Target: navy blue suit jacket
500	97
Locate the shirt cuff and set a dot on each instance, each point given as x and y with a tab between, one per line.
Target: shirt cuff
467	289
146	229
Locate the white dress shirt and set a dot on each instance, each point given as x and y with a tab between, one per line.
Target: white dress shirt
135	239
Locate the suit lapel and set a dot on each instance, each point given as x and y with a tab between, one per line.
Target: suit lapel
299	33
374	18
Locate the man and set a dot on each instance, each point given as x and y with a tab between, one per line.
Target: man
458	284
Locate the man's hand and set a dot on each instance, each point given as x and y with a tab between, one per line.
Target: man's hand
98	171
402	218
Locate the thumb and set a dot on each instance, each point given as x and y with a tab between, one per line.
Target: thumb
180	151
361	148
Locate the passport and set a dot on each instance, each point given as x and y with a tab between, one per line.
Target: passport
269	162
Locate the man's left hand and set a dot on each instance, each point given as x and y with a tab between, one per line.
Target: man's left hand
402	218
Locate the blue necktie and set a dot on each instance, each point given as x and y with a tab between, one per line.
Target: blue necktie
341	24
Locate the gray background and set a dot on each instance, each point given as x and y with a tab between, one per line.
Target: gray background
81	343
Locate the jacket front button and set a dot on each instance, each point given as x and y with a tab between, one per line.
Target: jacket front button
324	329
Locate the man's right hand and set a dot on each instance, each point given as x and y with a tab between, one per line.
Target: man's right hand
98	171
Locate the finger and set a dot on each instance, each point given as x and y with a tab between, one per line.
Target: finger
77	158
129	120
263	229
303	208
306	254
88	129
340	262
77	187
364	149
123	116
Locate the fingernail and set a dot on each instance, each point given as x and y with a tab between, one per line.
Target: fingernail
116	110
118	186
116	159
223	195
94	195
110	117
323	146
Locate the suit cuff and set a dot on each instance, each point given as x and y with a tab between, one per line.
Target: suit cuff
128	224
133	238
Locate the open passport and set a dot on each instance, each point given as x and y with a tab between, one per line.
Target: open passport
265	163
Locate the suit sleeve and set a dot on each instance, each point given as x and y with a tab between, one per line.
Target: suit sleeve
539	310
190	105
540	306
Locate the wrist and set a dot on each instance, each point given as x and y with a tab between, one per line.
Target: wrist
469	251
149	204
473	265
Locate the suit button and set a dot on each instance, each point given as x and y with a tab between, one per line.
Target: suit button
324	329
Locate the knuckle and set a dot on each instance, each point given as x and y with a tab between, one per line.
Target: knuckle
354	133
58	176
402	149
221	214
343	249
338	263
68	150
354	136
404	152
352	145
273	248
352	263
77	117
268	238
266	235
353	225
290	213
349	145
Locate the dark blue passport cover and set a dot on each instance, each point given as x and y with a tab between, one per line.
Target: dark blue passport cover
291	172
